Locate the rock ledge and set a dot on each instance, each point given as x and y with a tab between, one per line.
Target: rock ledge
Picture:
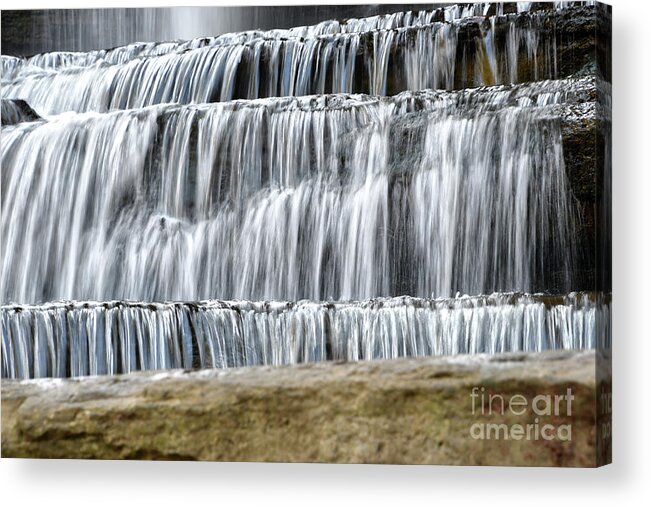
400	411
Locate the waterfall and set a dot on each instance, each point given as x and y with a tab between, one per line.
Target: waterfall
254	65
325	192
91	30
197	202
61	340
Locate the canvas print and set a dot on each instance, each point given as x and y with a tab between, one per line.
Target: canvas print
340	234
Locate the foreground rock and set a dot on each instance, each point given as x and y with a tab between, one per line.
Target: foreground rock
16	111
400	411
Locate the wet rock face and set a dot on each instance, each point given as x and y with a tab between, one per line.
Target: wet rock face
16	111
400	411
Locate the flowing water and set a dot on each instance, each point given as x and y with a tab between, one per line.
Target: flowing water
145	183
427	194
75	339
333	58
93	30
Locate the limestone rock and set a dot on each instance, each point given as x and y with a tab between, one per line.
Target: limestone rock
414	410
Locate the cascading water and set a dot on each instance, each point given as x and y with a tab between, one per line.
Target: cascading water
87	31
61	340
254	65
333	206
207	201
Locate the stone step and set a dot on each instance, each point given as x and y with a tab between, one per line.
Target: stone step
416	411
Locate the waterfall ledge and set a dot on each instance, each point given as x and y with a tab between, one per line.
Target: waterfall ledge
414	410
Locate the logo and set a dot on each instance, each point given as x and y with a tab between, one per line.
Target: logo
535	416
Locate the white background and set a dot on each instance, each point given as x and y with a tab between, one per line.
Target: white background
627	481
